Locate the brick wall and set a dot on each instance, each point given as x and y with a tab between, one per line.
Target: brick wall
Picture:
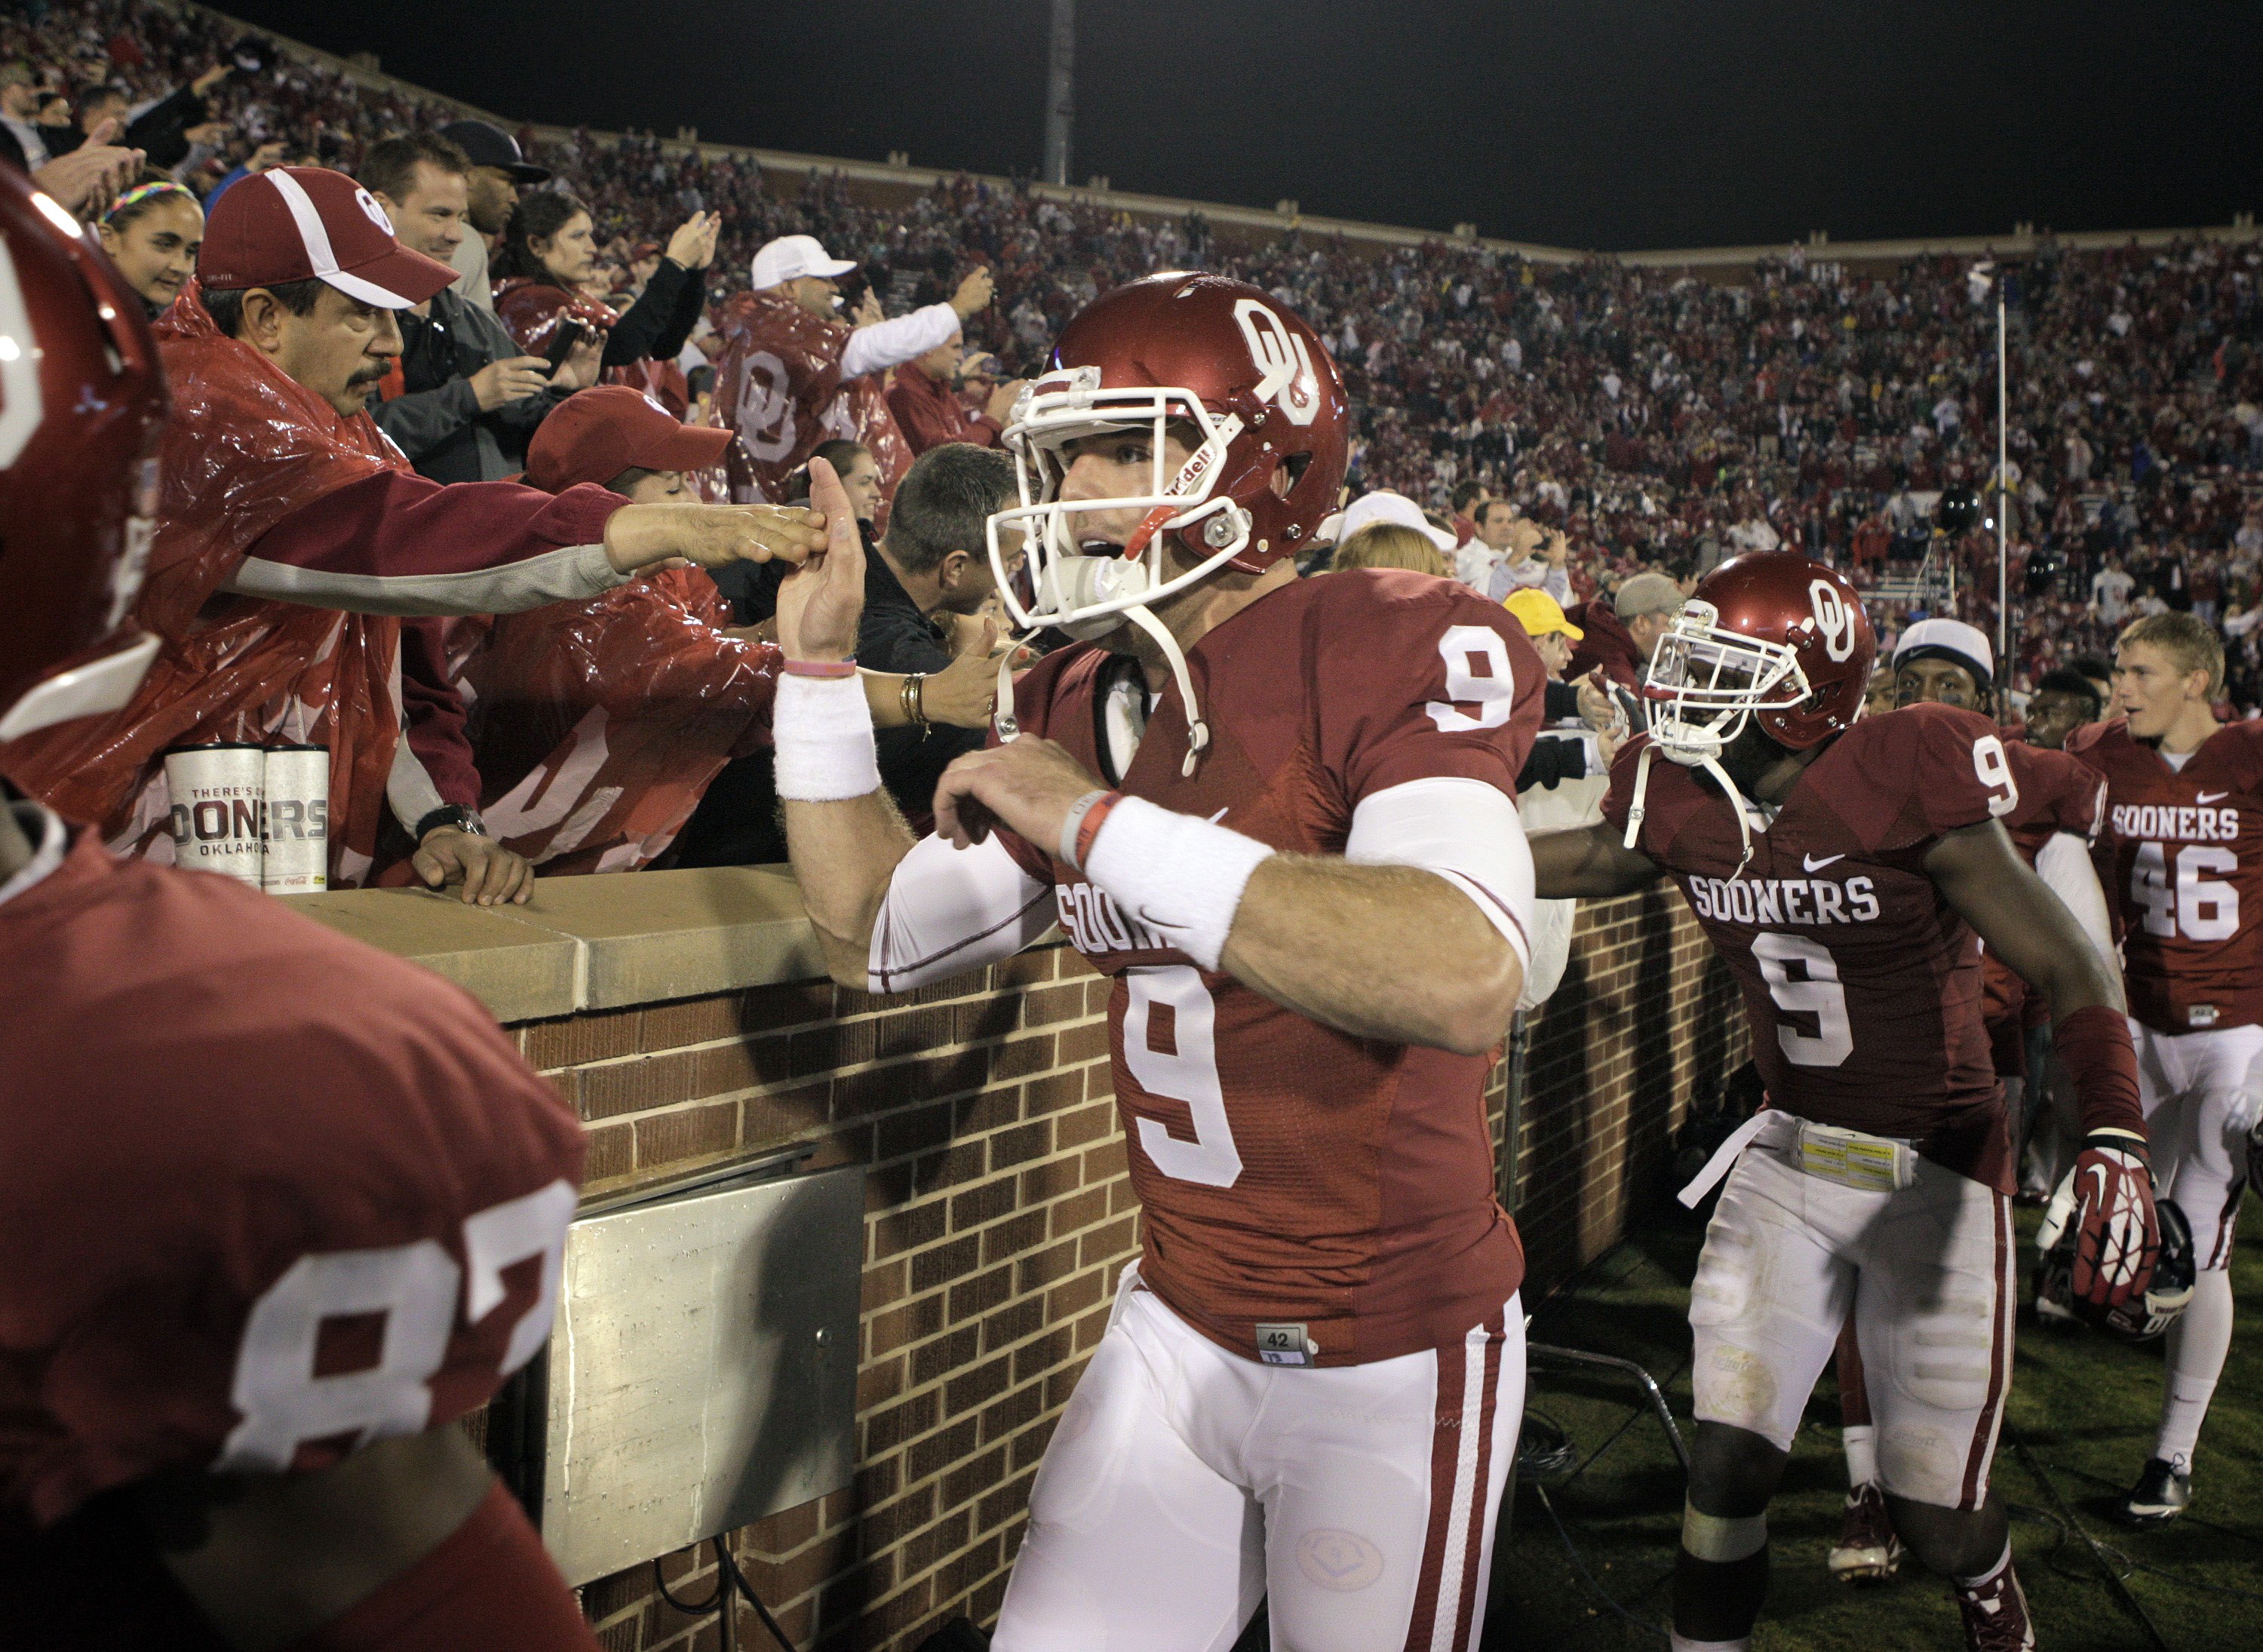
999	1213
1646	1017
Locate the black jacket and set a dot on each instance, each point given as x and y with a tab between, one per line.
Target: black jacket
895	636
437	419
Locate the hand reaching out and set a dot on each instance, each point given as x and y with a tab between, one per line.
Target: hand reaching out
640	536
821	601
693	244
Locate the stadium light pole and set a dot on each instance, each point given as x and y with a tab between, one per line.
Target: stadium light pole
1983	276
1060	92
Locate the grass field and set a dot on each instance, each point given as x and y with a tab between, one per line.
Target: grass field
2084	1408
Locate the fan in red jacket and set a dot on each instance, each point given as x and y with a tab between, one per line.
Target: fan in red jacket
927	408
291	533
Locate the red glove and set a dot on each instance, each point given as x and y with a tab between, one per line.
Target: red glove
2108	1195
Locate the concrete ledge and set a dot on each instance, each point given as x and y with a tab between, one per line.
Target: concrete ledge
594	942
521	971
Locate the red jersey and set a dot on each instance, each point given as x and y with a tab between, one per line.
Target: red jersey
1862	983
1348	1187
2184	871
2057	793
272	1195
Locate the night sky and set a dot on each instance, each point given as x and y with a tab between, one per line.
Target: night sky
1611	124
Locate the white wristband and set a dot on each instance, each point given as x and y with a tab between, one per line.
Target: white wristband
823	730
1179	874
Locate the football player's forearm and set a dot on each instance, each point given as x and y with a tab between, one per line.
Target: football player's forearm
1588	862
1380	952
844	855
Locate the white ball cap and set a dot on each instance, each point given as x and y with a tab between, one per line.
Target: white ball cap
1948	636
1383	505
790	256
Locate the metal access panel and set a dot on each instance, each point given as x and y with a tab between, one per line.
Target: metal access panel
702	1372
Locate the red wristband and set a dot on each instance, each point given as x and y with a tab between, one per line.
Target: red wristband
819	668
2094	1045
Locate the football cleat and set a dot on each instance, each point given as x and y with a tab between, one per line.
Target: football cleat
2158	1498
1995	1615
1867	1550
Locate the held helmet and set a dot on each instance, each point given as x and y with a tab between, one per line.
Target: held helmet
81	399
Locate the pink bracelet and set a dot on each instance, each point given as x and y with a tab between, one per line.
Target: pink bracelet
819	668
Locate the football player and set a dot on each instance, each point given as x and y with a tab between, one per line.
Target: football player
1945	662
2185	797
279	1208
1280	816
1842	869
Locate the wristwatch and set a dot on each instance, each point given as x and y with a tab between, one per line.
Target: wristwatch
455	815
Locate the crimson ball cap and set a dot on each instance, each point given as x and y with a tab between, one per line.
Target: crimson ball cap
297	223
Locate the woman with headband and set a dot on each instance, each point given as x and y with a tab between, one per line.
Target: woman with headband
152	233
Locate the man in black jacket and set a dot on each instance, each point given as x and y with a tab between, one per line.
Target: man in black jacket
469	402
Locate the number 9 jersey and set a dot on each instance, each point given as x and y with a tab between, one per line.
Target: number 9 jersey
1863	985
1309	1196
2184	867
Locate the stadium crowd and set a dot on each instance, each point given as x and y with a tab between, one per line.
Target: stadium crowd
1563	427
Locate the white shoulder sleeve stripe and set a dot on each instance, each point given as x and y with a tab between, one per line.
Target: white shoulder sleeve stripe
1465	831
949	910
2064	864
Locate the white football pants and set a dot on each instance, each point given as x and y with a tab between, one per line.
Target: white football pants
2201	1091
1932	1316
1185	1484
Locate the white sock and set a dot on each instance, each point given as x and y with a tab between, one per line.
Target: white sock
1860	1440
2003	1563
2196	1346
1684	1643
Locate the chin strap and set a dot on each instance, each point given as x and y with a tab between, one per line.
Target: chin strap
1002	704
1636	809
1712	766
1197	730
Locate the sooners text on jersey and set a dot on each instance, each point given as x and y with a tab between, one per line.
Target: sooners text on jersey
2185	870
1862	983
1301	1185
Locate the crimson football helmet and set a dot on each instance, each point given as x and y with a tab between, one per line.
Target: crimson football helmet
1220	359
1769	636
81	399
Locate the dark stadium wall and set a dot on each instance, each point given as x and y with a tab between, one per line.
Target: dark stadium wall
998	1207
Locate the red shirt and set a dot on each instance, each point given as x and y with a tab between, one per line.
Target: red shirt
930	414
1862	984
243	1155
1363	1209
2184	868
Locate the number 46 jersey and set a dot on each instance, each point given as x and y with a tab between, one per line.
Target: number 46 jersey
1308	1197
2184	867
1862	984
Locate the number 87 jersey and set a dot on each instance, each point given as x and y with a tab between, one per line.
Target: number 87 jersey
1863	985
2184	865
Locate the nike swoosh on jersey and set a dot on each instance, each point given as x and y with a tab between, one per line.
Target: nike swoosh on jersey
1813	865
1219	816
2213	797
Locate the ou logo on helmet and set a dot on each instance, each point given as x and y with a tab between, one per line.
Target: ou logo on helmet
1834	618
1285	365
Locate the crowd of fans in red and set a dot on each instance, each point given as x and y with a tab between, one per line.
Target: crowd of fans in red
1663	420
